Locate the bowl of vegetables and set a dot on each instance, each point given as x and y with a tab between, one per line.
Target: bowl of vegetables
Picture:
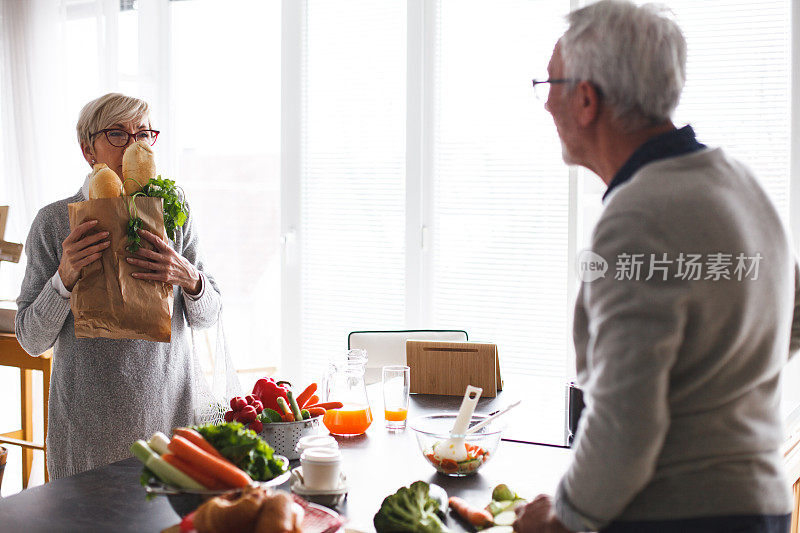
279	414
199	463
446	454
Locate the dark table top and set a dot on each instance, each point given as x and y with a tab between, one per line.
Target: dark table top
377	463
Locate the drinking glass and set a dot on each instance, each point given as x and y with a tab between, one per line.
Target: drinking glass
396	381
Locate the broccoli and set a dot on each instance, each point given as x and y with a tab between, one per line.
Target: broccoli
411	510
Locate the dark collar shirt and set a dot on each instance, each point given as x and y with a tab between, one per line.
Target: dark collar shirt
670	144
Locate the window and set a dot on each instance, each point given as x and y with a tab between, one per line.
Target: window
224	130
352	186
500	213
496	220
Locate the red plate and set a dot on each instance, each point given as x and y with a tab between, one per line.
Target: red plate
319	519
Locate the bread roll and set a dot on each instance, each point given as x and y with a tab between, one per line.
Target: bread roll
279	514
138	163
104	183
230	513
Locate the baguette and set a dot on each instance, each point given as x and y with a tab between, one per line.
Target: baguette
138	166
104	183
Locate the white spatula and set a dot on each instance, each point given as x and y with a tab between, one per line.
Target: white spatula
454	448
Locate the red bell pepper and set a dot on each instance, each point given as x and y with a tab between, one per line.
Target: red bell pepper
268	392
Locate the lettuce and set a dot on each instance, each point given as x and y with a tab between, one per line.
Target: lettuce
243	448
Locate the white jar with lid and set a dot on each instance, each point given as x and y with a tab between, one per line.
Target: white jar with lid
315	441
321	468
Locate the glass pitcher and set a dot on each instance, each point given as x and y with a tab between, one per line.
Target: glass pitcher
344	382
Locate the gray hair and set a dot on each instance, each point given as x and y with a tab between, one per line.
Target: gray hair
109	109
635	55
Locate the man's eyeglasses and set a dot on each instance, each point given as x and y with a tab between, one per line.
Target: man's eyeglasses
541	89
120	138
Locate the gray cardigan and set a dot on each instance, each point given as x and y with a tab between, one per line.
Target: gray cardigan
107	393
682	375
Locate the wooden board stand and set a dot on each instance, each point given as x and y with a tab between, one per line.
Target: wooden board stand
447	368
9	251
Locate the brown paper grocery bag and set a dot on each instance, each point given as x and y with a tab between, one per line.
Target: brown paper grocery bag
106	301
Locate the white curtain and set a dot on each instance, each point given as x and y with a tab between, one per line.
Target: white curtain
23	110
44	81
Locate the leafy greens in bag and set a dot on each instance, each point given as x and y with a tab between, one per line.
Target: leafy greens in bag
174	209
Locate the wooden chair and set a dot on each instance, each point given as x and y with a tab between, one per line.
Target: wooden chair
12	354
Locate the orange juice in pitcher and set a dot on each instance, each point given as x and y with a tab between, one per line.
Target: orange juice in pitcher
352	419
344	382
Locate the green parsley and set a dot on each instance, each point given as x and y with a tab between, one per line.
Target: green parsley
175	214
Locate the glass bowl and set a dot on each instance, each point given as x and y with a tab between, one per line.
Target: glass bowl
433	430
184	501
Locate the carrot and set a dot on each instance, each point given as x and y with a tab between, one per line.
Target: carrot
474	515
201	477
327	405
198	440
311	401
286	413
448	465
306	394
316	411
218	468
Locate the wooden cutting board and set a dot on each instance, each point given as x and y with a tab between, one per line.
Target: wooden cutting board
446	368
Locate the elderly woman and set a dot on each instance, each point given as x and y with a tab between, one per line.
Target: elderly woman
106	393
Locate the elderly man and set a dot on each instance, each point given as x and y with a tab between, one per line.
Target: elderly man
680	365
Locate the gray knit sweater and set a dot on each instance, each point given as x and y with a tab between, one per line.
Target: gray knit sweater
681	371
107	393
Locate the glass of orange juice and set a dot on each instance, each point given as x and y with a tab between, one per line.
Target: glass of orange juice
396	381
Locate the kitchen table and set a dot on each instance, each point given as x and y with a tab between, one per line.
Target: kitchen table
377	463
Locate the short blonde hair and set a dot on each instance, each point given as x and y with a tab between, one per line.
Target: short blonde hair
104	112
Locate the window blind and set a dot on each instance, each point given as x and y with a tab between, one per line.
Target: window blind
501	210
352	239
737	93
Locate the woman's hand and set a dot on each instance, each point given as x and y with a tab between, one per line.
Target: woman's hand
79	249
166	265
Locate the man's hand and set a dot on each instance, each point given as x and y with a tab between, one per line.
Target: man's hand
538	517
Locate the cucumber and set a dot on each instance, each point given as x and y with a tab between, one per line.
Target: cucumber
506	518
293	405
469	464
171	475
158	443
142	451
496	507
270	415
165	471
